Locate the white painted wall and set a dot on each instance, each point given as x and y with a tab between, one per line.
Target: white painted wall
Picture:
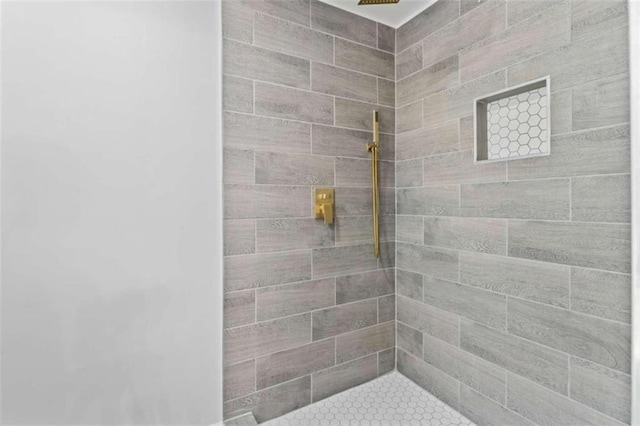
111	204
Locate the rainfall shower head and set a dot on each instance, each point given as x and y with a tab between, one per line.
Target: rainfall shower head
367	2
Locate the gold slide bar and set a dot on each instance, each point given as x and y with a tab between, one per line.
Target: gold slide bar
373	149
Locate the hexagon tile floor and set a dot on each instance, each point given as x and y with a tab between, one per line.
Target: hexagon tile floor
391	400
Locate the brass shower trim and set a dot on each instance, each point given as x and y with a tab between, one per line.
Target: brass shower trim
373	149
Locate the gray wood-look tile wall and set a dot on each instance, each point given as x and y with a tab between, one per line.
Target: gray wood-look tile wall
513	282
309	311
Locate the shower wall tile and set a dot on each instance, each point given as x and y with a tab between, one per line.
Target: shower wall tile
237	21
519	10
409	61
427	22
355	172
366	341
358	115
409	173
249	202
344	376
410	229
293	39
238	166
335	21
273	168
482	410
343	260
291	299
561	112
386	308
459	167
344	83
243	131
364	59
593	19
386	361
466	134
429	200
272	402
352	288
237	94
442	263
239	237
358	202
344	318
439	384
251	341
386	38
432	79
470	234
358	229
292	10
386	92
263	270
598	387
409	284
605	342
239	308
335	141
429	320
256	63
602	294
409	339
409	117
291	234
601	198
428	141
292	363
282	102
602	103
239	379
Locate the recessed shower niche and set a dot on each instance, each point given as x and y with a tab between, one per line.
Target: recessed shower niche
513	123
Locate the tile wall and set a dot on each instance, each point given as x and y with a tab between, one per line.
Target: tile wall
513	285
309	311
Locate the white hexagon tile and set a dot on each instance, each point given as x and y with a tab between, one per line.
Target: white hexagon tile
391	400
517	125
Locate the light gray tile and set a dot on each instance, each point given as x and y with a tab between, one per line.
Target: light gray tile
601	103
386	92
263	270
482	22
351	288
290	10
482	410
580	62
364	342
429	320
244	420
431	379
359	115
293	169
251	341
476	304
428	141
272	402
239	237
409	117
386	361
238	166
386	38
545	366
251	132
442	263
255	63
470	370
282	102
533	199
341	23
409	173
249	201
344	83
237	21
430	200
344	376
359	229
409	61
386	308
602	151
292	363
350	143
466	135
291	234
410	229
601	199
293	39
599	246
427	22
605	342
237	94
600	388
600	293
343	260
435	78
355	172
469	5
459	167
364	59
409	284
561	112
545	407
344	318
290	299
387	257
538	281
239	379
239	308
519	10
471	234
358	201
457	102
543	32
409	340
592	19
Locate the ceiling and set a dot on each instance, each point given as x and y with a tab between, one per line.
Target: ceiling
393	15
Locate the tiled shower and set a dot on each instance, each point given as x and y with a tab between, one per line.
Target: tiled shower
503	287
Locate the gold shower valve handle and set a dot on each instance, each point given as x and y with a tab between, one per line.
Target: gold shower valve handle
324	204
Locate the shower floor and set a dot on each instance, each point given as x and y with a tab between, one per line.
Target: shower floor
389	400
